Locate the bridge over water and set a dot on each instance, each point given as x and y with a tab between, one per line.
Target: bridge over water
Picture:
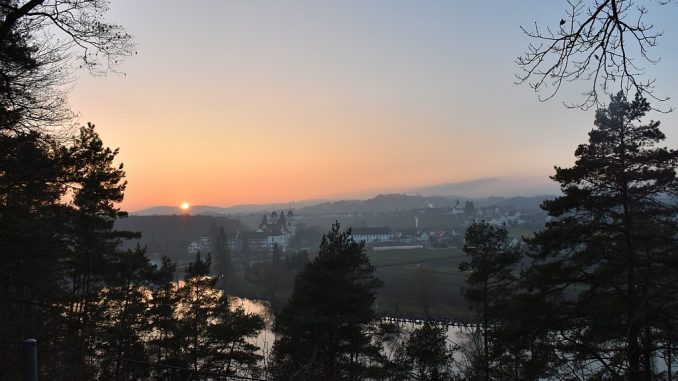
418	320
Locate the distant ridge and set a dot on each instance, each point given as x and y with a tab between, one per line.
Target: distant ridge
398	202
207	210
491	186
485	191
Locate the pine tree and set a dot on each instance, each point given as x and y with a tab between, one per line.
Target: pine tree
96	184
123	324
469	208
491	280
195	327
322	331
605	270
164	337
428	353
31	242
224	262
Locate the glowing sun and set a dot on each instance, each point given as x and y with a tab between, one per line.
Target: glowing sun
184	205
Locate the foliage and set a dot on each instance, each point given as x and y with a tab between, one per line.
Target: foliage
604	269
306	236
92	306
94	309
193	326
122	324
296	261
31	239
491	282
273	274
38	39
469	208
427	350
322	331
59	245
224	262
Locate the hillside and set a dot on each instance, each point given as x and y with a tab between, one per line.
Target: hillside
170	235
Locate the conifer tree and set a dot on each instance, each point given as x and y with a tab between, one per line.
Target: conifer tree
469	208
164	336
195	327
605	269
491	281
95	185
428	353
223	258
323	330
123	325
31	242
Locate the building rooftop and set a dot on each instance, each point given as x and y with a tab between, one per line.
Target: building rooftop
371	231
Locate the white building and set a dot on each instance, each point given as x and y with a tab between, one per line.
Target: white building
279	228
203	246
372	235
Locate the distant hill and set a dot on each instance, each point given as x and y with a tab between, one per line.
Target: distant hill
526	203
171	235
518	193
207	210
395	202
380	203
491	186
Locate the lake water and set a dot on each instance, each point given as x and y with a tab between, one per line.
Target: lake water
456	336
264	341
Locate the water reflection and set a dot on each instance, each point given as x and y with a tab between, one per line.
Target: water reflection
264	340
456	336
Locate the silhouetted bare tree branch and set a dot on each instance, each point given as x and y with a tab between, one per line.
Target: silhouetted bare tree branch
605	42
41	43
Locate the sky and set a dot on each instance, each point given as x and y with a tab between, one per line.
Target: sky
232	102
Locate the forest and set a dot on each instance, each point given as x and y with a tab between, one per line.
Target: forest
591	296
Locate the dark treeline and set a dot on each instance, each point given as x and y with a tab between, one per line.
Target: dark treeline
91	304
591	297
170	235
97	310
328	330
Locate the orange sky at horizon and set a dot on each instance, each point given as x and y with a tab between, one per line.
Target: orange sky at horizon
241	162
260	102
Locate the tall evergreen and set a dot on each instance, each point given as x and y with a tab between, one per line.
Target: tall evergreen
224	262
194	327
605	269
122	325
323	330
95	184
31	241
469	208
56	239
428	353
491	281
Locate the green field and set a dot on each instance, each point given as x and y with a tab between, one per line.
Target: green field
520	232
420	282
404	257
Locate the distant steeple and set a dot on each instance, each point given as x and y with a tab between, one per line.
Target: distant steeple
282	221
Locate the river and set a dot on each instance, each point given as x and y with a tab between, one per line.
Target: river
456	336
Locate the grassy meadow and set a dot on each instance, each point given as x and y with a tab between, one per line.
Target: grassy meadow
419	282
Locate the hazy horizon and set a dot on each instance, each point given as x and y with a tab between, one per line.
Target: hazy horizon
246	102
476	188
